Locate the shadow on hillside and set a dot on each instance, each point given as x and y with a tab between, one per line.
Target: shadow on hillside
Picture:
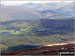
20	47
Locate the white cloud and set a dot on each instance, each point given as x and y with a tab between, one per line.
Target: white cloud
22	2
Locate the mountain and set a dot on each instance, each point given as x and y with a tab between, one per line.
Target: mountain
33	6
17	13
68	9
44	6
37	10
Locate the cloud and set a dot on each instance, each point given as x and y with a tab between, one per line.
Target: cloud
12	3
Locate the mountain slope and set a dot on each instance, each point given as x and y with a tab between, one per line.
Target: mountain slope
37	11
17	13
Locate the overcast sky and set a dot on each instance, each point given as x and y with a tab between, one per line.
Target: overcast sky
22	2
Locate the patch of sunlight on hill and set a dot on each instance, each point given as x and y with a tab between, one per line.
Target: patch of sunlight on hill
3	46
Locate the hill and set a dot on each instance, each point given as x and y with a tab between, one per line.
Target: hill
36	32
46	50
37	11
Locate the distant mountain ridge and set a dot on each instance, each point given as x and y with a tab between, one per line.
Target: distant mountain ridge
37	11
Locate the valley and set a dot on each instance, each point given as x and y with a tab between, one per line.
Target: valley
35	32
30	28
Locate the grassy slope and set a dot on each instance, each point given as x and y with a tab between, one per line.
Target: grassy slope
32	28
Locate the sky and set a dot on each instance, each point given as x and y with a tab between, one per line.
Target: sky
11	3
